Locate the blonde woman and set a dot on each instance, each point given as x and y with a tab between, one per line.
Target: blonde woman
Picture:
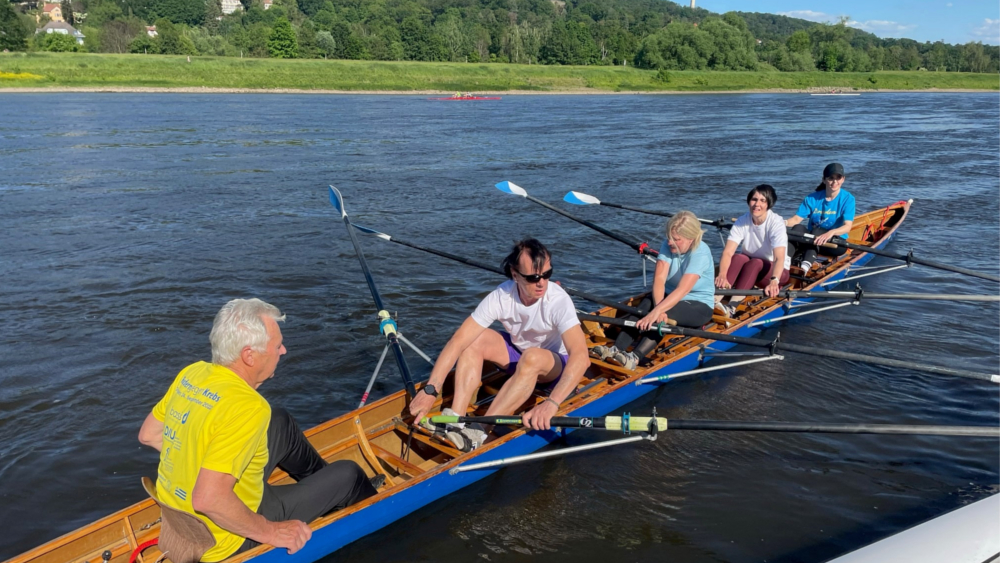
683	290
683	285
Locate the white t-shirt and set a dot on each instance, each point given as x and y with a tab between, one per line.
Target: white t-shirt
759	241
538	326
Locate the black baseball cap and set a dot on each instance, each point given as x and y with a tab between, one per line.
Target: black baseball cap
832	169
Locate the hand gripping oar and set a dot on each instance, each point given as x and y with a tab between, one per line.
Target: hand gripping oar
909	258
475	263
580	198
641	248
386	325
627	424
773	345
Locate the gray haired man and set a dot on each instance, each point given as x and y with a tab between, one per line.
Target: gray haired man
219	440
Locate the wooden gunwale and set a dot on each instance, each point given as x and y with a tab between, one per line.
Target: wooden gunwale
337	436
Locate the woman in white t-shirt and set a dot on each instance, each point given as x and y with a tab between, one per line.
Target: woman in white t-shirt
764	259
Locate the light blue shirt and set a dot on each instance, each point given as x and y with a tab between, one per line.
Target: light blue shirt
699	262
827	214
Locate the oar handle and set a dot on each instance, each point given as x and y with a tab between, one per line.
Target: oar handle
624	423
811	239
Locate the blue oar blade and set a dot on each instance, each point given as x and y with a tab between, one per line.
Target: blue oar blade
511	188
578	198
338	201
371	232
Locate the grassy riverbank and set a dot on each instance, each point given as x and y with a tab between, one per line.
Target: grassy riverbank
79	70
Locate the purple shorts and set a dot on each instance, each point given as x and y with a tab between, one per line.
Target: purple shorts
514	355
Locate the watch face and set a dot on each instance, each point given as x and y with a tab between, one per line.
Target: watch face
430	390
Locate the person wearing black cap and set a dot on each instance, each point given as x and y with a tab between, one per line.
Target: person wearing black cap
828	212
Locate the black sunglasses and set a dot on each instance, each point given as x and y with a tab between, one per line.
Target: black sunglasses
535	278
836	177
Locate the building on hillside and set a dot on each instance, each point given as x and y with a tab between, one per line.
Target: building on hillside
53	11
151	30
63	28
230	6
267	4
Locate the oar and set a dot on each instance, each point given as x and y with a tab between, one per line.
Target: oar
475	263
628	424
580	198
386	325
809	350
857	295
908	258
641	248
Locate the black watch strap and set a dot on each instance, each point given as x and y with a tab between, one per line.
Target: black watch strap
430	390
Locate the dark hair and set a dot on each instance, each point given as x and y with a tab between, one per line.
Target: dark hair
767	191
536	251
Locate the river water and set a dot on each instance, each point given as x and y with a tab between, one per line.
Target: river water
129	219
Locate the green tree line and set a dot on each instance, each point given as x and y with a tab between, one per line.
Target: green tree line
654	34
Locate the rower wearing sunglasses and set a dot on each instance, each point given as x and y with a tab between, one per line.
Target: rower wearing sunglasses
830	213
541	345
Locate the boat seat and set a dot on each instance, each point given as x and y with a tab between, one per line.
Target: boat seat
183	537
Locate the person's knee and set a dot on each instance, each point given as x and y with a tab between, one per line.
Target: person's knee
534	362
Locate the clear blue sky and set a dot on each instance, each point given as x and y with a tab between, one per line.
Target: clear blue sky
954	21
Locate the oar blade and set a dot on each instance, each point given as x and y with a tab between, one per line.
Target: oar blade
511	188
366	230
579	198
338	201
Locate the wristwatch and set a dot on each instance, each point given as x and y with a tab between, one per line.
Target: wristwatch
430	390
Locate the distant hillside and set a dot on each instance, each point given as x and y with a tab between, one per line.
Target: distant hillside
774	27
651	34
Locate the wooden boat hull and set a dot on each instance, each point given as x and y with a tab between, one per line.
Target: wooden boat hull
365	436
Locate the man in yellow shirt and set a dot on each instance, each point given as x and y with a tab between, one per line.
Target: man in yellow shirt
219	440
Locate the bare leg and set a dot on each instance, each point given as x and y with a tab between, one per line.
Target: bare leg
490	346
536	366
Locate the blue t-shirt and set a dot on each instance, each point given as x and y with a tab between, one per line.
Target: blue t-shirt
698	261
827	214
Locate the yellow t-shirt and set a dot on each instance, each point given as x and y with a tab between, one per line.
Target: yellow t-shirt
212	419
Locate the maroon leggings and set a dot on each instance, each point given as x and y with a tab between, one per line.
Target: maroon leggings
745	272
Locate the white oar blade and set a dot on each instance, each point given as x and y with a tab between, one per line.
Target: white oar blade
338	201
372	232
511	188
580	198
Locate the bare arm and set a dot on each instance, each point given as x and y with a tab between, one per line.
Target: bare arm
151	433
727	257
659	280
675	297
576	365
213	496
793	220
539	417
463	337
774	286
841	230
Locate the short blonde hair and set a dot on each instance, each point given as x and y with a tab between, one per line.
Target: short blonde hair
686	224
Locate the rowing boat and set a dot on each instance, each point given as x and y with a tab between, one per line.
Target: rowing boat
419	468
464	98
